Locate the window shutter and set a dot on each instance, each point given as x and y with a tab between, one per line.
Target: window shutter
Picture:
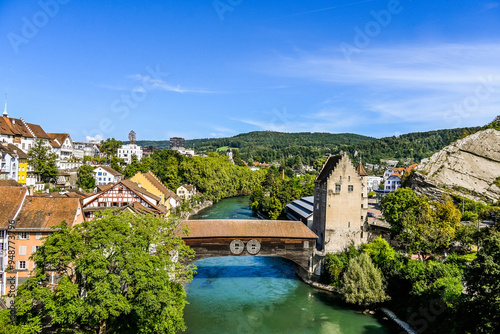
33	249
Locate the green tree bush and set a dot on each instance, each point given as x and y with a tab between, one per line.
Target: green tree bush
120	273
43	161
362	282
86	179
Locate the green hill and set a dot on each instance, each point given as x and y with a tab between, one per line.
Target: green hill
268	146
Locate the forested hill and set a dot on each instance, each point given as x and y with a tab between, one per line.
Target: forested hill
268	146
268	139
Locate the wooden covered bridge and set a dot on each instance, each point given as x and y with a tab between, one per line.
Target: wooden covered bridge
288	239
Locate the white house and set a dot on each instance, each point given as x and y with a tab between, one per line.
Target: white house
186	191
126	152
63	147
373	182
104	175
393	182
9	162
89	149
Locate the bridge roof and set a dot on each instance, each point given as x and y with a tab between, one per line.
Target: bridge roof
224	228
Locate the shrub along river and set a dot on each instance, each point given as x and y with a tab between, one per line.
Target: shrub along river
251	294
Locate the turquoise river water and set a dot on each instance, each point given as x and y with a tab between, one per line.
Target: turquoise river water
249	294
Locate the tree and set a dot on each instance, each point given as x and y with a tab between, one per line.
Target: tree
380	251
120	273
362	282
43	161
483	286
86	177
110	147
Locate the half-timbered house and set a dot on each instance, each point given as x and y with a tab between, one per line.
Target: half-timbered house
120	195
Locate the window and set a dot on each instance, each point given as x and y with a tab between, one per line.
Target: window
361	206
100	173
34	248
349	224
38	236
23	236
361	217
337	188
340	178
349	178
350	188
22	250
21	265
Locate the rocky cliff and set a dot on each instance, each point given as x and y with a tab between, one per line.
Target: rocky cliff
469	166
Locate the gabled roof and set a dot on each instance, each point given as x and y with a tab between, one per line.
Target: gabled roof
38	131
14	127
45	212
329	165
12	149
110	170
136	189
17	127
57	139
11	200
160	186
188	187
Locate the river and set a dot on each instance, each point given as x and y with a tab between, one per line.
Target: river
249	294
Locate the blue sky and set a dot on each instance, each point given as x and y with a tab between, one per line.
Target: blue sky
210	68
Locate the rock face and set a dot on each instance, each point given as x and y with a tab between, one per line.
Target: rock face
470	166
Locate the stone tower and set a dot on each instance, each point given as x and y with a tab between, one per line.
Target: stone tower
340	205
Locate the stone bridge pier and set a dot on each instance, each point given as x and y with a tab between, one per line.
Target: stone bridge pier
291	240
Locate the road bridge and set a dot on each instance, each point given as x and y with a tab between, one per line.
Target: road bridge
291	240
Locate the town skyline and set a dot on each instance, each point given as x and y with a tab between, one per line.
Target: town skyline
212	69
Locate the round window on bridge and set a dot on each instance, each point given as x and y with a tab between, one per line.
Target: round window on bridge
253	247
237	247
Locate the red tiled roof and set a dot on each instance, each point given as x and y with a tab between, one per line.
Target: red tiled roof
12	150
14	127
38	131
45	212
245	228
11	200
9	183
189	187
57	139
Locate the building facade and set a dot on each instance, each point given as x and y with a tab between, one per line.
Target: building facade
105	175
151	183
186	192
340	205
25	221
177	142
123	195
126	152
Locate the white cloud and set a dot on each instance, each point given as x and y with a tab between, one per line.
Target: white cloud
440	84
150	83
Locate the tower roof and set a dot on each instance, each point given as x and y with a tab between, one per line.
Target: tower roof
361	171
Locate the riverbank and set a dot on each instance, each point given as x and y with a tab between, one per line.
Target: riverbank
203	205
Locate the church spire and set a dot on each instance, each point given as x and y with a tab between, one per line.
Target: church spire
5	109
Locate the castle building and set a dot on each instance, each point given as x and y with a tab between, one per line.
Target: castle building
340	205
